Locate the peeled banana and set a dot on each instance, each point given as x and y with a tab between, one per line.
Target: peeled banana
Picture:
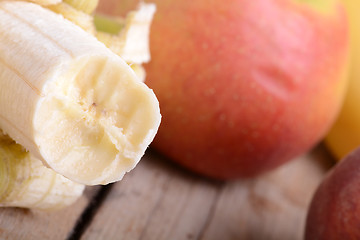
44	2
68	99
131	42
26	182
86	6
80	18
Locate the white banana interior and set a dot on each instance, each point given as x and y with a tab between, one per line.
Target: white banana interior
68	99
95	121
26	182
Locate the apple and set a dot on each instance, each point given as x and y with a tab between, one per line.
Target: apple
334	211
345	133
244	86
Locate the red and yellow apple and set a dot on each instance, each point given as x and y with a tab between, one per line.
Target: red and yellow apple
345	133
244	86
334	212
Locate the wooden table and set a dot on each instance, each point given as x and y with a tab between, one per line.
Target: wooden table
159	200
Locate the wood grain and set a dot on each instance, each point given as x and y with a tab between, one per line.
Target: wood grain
158	200
17	223
155	201
272	206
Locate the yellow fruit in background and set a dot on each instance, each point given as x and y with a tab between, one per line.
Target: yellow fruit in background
345	134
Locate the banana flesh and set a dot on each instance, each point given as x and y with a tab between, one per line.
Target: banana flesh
80	18
86	6
26	182
131	43
137	28
69	100
44	2
139	70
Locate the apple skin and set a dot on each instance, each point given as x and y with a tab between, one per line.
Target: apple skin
244	86
334	211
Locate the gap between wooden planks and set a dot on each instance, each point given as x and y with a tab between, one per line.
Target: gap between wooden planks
17	223
159	200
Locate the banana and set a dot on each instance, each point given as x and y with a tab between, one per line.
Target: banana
68	99
44	2
80	18
109	24
26	182
131	40
86	6
139	70
136	32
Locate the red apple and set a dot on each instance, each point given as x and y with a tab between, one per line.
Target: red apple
243	85
334	213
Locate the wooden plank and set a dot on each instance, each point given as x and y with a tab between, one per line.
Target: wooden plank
17	223
161	201
155	201
272	206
